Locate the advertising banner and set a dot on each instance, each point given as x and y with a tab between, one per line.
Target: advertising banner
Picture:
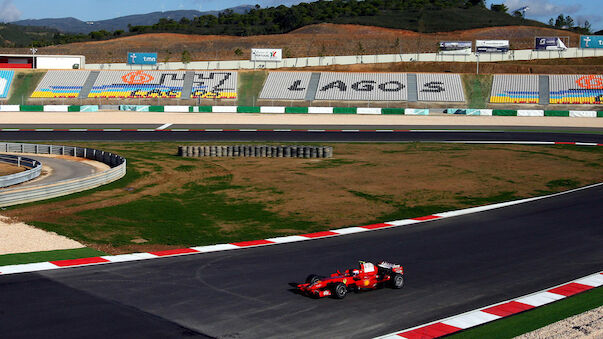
455	47
591	41
142	58
549	44
263	54
491	46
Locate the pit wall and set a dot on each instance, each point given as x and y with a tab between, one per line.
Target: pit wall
48	108
304	110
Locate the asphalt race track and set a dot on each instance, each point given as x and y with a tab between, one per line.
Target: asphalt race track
452	265
316	135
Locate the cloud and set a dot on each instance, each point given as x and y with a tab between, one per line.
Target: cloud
9	12
542	8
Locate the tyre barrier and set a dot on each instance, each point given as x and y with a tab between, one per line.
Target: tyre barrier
257	151
15	196
33	170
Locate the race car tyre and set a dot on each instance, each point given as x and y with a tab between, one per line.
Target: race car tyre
397	281
340	290
312	278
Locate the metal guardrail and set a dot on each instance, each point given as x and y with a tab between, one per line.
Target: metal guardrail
15	196
34	169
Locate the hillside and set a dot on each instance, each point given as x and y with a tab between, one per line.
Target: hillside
17	36
73	25
313	40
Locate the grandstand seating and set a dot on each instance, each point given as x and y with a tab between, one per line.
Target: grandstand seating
286	85
576	89
362	86
215	85
6	79
440	87
516	89
61	84
138	84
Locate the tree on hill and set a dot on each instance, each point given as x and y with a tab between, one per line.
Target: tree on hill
568	23
502	8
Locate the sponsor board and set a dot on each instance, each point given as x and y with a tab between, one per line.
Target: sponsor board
549	44
591	41
491	46
142	58
263	54
455	47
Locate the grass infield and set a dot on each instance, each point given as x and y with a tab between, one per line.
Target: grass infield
166	201
536	318
26	258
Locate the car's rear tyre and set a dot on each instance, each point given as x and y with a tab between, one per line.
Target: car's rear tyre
339	290
397	281
312	278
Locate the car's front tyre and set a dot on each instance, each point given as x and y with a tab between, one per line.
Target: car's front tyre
339	290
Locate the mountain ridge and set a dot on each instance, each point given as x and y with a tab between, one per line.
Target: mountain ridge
74	25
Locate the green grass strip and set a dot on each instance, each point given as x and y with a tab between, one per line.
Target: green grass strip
345	110
74	108
156	109
26	258
23	86
556	113
296	109
250	85
392	111
537	318
248	109
31	108
504	112
600	114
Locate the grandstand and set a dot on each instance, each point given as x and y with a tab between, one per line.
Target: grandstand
61	84
286	85
516	89
6	79
215	85
576	89
138	84
362	86
440	87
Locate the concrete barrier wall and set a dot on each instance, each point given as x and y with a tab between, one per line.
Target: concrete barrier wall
513	55
15	196
33	170
257	151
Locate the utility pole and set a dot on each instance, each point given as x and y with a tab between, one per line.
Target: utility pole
33	56
477	56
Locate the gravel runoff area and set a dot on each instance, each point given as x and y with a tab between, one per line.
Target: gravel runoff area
84	118
22	238
588	325
17	237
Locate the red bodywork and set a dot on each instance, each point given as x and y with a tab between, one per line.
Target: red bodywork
367	276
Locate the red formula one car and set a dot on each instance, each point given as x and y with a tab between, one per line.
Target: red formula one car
367	277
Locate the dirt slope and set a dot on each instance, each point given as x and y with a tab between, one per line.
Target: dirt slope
313	40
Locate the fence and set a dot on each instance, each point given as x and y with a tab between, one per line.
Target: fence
15	196
512	55
33	170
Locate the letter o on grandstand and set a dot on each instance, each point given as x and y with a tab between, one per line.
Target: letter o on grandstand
396	86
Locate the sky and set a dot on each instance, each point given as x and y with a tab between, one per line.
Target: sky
91	10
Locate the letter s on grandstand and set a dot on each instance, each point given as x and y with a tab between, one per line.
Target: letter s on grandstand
263	54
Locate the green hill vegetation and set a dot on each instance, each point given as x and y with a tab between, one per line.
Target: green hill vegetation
417	15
